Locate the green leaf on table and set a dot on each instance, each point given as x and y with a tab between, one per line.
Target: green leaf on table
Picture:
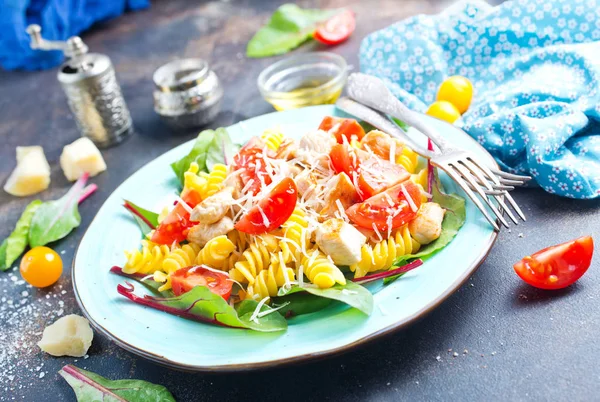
200	304
146	220
53	220
289	27
211	146
14	245
91	387
351	293
453	221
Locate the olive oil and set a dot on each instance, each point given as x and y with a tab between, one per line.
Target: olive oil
309	92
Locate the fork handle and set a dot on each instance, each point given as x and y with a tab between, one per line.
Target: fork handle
372	91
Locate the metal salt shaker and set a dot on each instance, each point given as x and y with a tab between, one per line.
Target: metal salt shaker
93	93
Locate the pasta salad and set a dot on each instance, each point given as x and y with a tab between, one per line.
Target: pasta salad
281	227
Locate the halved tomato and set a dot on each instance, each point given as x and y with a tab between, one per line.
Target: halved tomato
557	266
272	211
251	159
389	207
191	197
343	159
341	128
336	29
376	175
174	227
185	279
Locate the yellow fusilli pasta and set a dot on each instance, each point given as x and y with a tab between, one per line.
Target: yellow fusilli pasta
146	260
273	137
216	252
268	281
214	180
408	159
383	254
191	180
239	239
178	258
321	271
254	259
294	235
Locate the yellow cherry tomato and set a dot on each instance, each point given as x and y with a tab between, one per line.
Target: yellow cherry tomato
41	267
457	90
444	111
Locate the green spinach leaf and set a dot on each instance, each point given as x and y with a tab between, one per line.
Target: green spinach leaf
90	387
14	245
54	220
351	293
146	220
453	221
300	303
211	147
288	28
201	304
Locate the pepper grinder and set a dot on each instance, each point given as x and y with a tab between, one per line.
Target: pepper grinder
93	93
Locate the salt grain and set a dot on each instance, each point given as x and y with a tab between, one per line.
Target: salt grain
42	374
438	358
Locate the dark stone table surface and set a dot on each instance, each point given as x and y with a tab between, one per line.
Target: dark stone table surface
513	342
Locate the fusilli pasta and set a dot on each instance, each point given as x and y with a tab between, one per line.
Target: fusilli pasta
268	281
321	271
383	254
254	259
409	159
273	138
214	180
146	260
294	235
191	180
178	258
216	252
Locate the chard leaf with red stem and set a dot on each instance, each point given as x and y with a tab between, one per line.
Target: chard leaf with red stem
146	220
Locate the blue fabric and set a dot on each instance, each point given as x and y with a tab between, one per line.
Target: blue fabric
535	66
59	19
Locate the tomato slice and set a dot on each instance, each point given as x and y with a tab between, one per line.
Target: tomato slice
390	206
272	211
191	197
343	159
336	29
185	279
557	266
251	159
341	128
174	227
376	175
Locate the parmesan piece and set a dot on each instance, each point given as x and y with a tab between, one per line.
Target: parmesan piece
70	335
81	157
32	173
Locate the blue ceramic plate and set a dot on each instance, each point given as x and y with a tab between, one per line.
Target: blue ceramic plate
189	345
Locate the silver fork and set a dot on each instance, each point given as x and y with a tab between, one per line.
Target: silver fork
474	177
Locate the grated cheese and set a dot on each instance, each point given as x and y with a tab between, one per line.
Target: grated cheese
264	216
411	202
376	232
254	316
184	205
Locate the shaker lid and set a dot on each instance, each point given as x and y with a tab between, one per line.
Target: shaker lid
180	75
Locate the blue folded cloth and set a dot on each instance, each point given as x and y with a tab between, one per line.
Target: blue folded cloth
59	19
535	66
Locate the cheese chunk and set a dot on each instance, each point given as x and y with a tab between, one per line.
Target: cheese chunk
32	173
341	241
70	335
81	157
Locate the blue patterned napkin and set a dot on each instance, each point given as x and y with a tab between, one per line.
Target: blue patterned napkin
535	66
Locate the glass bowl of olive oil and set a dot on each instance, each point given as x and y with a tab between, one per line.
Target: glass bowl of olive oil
306	79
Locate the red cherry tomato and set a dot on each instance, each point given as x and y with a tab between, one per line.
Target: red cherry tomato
336	29
185	279
343	159
272	211
174	227
391	203
342	128
191	197
250	159
376	175
557	266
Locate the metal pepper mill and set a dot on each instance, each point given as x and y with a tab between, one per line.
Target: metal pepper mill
92	90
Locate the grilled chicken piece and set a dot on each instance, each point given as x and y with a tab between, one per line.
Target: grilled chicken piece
340	188
213	208
381	144
427	226
341	241
202	233
287	150
305	182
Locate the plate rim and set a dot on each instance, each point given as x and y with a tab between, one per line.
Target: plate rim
238	367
